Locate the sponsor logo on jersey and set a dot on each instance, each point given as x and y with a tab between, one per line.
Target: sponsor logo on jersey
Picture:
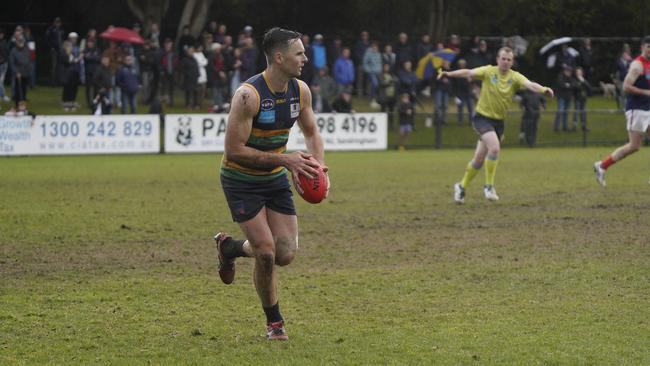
295	109
266	116
267	104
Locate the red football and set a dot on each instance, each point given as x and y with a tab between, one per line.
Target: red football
314	189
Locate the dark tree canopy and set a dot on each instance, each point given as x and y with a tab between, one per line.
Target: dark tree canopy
537	21
348	17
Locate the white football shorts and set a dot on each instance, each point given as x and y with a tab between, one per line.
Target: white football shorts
638	120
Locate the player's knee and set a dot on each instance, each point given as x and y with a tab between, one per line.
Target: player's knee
494	151
632	148
285	259
285	250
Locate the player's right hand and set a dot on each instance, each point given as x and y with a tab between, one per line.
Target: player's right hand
299	162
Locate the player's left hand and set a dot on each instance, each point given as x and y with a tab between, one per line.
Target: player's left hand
327	191
549	92
296	183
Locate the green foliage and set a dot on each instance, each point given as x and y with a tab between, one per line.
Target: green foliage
109	260
549	18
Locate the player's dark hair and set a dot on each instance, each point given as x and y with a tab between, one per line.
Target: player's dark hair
278	38
645	40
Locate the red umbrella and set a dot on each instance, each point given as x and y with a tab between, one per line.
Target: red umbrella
122	35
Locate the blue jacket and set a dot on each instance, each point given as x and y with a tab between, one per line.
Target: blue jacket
344	71
372	62
127	79
320	55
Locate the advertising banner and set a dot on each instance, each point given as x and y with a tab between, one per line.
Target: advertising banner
195	132
206	132
79	135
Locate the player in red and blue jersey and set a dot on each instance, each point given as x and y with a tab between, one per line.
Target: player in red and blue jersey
637	110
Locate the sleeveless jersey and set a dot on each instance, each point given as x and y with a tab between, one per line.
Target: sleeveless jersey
635	101
276	114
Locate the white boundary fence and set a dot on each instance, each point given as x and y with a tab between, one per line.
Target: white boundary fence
183	133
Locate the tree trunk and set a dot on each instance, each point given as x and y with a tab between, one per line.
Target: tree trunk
432	15
438	19
148	11
200	17
195	14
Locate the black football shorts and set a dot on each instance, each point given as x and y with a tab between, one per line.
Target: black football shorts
246	199
484	124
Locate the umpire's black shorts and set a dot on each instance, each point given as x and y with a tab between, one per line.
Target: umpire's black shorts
484	124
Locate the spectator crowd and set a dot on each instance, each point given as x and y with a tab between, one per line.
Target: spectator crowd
207	70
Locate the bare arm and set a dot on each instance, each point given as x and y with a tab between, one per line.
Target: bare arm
240	123
313	140
238	130
307	123
537	88
636	69
460	73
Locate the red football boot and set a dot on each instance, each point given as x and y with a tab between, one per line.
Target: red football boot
275	332
226	265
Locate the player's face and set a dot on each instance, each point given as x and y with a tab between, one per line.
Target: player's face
645	50
294	58
504	61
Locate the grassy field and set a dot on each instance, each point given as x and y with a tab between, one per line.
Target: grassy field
110	260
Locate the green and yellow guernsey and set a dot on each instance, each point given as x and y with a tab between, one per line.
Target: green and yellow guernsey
276	114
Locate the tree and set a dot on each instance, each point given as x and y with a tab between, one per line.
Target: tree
195	14
438	19
148	11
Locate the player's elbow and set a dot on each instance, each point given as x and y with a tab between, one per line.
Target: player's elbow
308	131
233	153
312	136
627	88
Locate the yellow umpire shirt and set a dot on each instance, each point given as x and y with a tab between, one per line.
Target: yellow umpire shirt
497	90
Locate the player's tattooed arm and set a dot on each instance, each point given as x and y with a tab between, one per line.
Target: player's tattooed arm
245	96
240	124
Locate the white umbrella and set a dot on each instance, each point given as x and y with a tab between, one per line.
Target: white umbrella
519	45
553	43
550	61
573	52
552	58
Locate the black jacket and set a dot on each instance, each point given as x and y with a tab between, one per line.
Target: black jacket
103	78
581	89
19	61
190	71
4	51
564	86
